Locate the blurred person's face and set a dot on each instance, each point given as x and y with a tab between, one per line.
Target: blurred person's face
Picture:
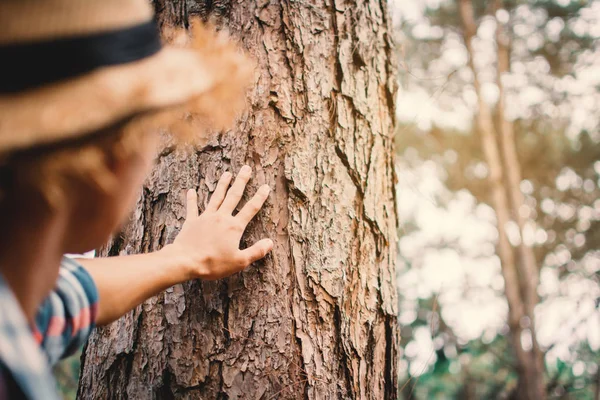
97	214
38	227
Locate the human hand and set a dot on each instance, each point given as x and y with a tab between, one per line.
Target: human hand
208	244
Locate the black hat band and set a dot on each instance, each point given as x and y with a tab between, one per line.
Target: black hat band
29	65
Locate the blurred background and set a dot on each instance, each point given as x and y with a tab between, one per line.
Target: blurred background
503	148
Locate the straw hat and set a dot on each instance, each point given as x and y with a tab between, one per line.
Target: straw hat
73	67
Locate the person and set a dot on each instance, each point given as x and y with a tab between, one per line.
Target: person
87	96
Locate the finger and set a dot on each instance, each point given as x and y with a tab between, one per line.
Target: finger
220	191
254	205
236	191
257	251
191	204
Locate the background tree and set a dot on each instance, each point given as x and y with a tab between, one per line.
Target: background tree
317	319
509	150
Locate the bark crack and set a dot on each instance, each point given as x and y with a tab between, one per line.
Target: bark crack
301	362
343	360
389	371
351	171
123	360
226	301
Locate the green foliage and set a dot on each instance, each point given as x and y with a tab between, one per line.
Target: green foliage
66	374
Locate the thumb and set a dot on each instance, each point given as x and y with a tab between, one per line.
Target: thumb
257	251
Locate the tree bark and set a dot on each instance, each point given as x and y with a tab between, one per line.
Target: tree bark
531	381
317	318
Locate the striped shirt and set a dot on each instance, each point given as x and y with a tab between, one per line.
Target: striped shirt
62	325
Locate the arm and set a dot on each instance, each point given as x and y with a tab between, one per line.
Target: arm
124	282
206	248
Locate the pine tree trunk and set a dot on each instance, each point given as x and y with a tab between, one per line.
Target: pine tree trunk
317	318
512	166
531	378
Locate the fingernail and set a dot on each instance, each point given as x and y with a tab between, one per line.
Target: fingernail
227	175
265	189
191	192
246	169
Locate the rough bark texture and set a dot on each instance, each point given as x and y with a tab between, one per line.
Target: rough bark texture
317	318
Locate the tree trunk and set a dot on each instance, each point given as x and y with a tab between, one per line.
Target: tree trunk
512	166
531	380
317	318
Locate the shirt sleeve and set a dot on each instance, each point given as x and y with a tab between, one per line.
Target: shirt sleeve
68	315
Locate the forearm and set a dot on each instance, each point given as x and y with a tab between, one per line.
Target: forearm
124	282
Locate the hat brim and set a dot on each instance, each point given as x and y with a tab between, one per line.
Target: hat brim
79	106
